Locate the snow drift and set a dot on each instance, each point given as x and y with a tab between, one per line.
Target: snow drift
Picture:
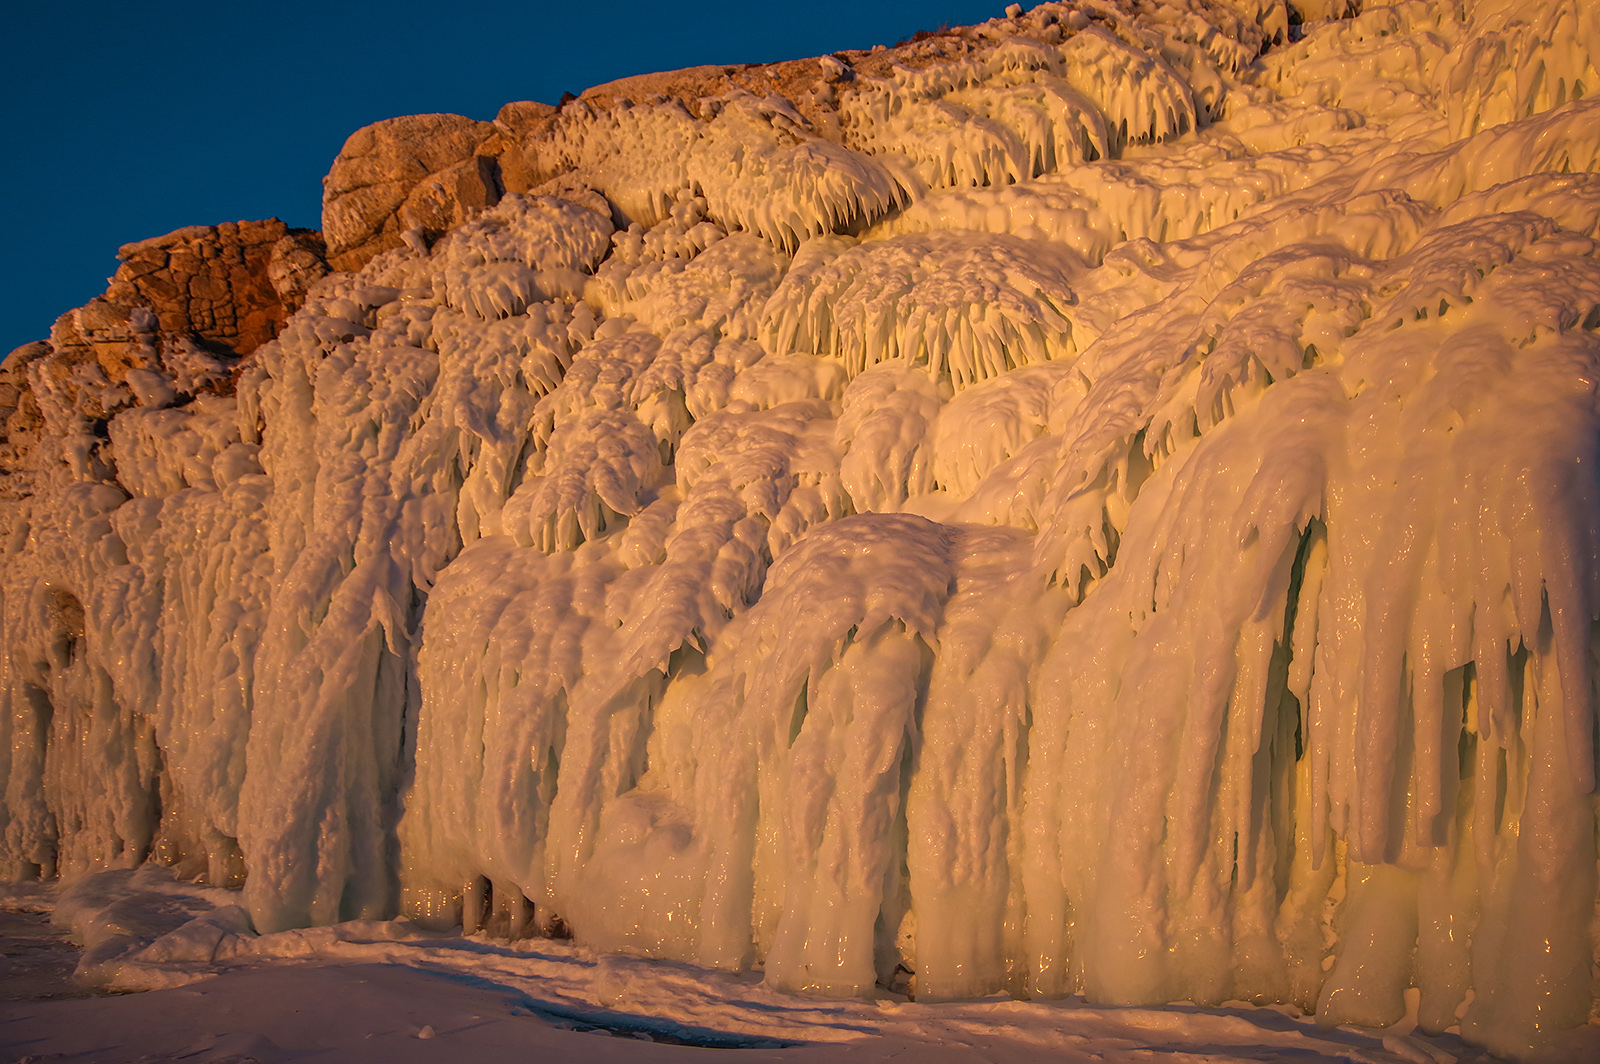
1099	502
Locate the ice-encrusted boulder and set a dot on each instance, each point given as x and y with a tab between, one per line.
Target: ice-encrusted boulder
1102	501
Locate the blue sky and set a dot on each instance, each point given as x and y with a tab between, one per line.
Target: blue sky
125	121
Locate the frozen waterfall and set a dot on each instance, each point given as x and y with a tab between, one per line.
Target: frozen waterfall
1112	510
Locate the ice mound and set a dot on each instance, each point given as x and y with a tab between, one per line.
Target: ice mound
1100	502
968	306
753	158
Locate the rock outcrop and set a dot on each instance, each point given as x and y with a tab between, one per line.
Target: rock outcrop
414	172
231	285
190	304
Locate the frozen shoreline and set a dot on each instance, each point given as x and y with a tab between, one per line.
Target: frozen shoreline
366	991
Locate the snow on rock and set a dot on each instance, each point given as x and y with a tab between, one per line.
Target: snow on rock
753	158
1100	502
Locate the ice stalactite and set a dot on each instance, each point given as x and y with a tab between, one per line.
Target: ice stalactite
1517	61
320	765
1196	187
720	290
969	307
885	433
519	253
602	146
767	175
1021	110
83	769
779	790
1099	502
967	851
190	604
1445	631
994	422
989	136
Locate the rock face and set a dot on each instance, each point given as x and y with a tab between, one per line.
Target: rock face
414	172
189	304
230	285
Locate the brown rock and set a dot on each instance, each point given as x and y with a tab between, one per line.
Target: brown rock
379	167
517	173
298	260
521	118
690	83
515	124
220	290
216	283
117	336
448	198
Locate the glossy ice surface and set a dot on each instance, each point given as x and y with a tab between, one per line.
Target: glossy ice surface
1114	513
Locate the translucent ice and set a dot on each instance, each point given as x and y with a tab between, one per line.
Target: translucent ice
1098	502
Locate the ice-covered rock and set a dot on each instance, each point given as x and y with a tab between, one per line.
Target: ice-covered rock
1102	501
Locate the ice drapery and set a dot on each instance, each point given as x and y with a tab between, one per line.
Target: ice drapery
1114	512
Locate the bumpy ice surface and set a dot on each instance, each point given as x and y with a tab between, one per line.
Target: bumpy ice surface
1114	513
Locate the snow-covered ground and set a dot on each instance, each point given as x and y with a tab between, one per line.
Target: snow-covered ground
387	991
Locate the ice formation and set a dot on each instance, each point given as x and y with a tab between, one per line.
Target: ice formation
1106	505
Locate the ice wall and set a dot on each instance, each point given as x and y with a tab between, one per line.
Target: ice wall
1098	502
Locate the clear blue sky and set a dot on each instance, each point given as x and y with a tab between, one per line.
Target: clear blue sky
124	121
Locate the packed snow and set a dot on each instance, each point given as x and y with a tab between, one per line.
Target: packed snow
387	991
1113	514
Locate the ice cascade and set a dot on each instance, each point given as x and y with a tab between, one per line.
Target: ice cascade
1100	502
